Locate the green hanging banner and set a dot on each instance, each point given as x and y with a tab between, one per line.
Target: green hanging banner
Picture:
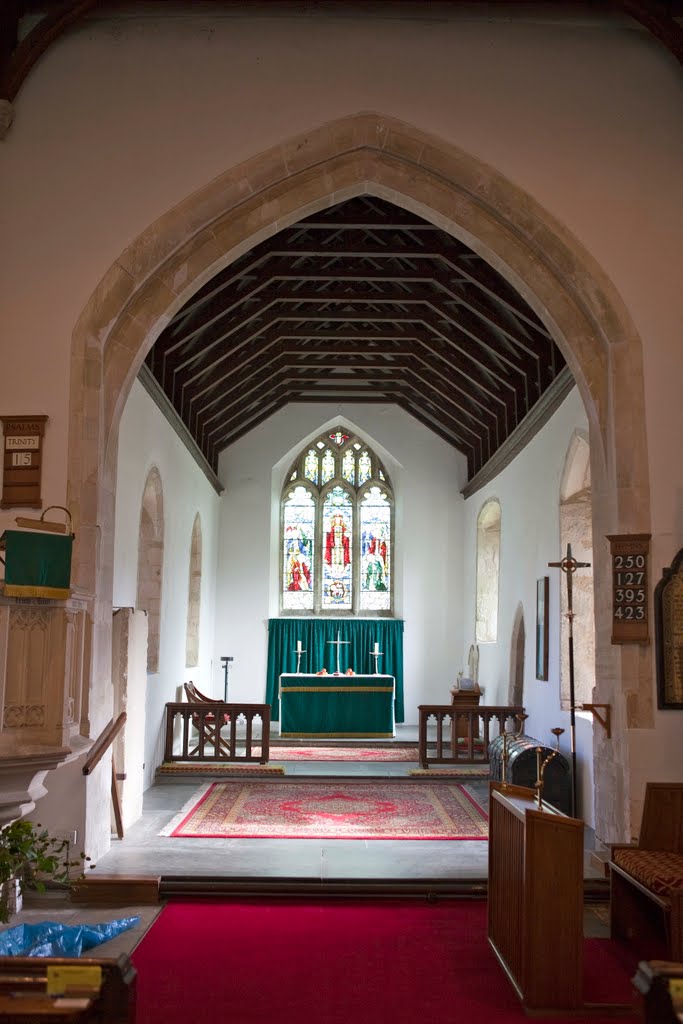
37	564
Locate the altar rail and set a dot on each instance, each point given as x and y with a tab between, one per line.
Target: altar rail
470	732
197	733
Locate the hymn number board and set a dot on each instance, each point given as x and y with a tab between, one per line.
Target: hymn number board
23	442
630	587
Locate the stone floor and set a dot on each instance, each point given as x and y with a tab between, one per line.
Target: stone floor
144	852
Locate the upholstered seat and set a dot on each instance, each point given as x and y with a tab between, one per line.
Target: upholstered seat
658	870
646	880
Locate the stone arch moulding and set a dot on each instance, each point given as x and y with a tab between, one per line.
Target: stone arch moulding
364	153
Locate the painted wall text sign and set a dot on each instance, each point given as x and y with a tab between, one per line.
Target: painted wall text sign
630	588
22	463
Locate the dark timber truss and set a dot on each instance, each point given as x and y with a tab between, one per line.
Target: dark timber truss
363	302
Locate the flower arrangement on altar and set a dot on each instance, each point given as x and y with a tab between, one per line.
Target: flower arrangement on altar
322	672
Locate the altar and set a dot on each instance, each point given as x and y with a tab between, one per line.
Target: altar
336	706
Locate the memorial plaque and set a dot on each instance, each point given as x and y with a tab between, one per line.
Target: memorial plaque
22	461
669	635
630	588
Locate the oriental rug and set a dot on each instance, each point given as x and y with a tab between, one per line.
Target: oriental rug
335	961
345	809
319	753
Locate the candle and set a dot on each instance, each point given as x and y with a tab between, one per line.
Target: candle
298	646
376	647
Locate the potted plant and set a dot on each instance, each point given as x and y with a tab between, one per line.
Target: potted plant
31	858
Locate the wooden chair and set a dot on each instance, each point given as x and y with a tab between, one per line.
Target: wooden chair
646	879
205	723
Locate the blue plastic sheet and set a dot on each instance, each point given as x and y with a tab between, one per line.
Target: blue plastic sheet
50	938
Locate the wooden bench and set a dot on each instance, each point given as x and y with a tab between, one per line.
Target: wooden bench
646	879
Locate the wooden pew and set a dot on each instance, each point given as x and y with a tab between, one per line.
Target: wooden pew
660	984
646	879
24	995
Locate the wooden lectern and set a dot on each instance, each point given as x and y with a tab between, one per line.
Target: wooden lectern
465	694
535	905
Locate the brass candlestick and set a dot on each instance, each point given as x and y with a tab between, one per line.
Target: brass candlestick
540	771
557	732
521	718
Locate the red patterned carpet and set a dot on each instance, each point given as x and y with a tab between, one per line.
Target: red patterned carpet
325	810
314	753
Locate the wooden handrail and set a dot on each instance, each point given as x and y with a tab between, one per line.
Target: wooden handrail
105	739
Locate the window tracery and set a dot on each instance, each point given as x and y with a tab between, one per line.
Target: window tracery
337	529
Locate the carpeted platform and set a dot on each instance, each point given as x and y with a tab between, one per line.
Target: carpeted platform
339	961
326	809
207	768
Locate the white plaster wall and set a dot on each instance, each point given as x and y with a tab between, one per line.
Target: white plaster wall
529	492
427	476
126	116
147	440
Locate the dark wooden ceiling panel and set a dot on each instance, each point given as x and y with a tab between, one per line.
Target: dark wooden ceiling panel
363	302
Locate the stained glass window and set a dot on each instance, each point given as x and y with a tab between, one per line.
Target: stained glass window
364	468
311	466
375	544
328	467
337	529
297	550
337	540
349	467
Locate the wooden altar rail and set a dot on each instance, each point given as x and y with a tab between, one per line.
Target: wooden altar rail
198	729
468	745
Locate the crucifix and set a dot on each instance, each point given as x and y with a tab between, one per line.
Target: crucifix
569	565
338	643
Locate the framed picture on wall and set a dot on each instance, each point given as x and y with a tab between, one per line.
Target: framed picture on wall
542	627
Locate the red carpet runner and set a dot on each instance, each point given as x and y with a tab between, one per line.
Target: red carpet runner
340	962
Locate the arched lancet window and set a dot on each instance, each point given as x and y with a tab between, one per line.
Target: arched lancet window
337	529
151	563
576	529
194	596
488	572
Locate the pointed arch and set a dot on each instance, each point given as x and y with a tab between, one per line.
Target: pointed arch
194	595
517	653
336	528
576	529
488	572
370	153
151	563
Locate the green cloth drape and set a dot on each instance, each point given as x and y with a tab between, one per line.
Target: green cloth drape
314	634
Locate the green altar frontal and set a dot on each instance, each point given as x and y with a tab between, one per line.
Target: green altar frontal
37	564
336	707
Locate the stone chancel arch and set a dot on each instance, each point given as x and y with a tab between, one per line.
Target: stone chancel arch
369	153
